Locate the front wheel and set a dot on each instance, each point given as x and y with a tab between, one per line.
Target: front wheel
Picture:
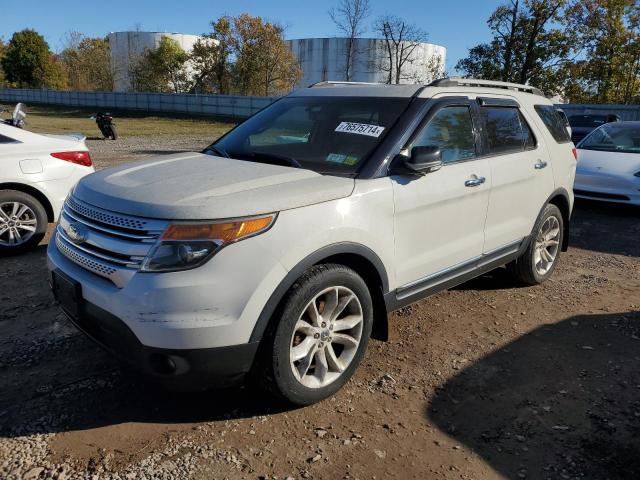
23	222
540	258
321	335
114	132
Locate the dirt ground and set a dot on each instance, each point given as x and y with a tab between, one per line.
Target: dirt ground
484	381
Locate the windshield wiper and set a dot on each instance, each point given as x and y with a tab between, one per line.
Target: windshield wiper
217	150
272	158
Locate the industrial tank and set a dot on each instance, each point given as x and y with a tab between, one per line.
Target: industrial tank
323	59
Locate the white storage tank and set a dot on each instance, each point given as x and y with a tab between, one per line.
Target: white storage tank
323	59
127	47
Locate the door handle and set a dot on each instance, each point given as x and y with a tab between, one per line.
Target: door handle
540	165
474	182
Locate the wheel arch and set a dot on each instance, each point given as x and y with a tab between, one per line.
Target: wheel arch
358	257
560	198
34	192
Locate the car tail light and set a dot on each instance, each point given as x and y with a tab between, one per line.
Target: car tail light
575	153
79	158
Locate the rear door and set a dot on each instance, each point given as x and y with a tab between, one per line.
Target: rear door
439	217
522	178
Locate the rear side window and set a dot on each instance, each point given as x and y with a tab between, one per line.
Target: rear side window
507	130
554	122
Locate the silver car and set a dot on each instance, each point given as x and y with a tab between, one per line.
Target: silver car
609	164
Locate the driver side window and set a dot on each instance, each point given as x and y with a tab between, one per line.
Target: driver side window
450	129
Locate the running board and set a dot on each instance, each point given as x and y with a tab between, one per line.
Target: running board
454	276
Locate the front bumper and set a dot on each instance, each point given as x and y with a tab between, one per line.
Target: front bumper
606	188
189	369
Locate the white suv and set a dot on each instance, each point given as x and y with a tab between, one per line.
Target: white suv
278	251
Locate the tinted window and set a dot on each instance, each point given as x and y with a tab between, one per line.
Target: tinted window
591	121
451	129
4	139
507	131
554	122
329	135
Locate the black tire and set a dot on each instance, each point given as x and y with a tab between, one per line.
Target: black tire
273	368
9	196
523	269
114	132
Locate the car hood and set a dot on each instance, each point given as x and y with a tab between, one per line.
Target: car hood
608	163
194	186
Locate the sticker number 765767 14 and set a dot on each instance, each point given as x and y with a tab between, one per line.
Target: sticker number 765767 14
360	129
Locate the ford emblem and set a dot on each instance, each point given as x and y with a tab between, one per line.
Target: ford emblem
77	232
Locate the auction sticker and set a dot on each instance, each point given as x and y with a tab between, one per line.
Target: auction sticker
360	129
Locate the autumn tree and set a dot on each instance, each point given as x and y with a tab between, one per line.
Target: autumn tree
401	43
88	63
162	69
249	57
29	63
349	17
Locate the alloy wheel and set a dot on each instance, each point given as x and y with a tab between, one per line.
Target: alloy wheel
326	337
18	223
547	245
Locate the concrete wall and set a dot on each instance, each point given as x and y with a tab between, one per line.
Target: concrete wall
128	47
324	59
184	103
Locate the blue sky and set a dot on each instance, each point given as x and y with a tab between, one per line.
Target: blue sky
456	24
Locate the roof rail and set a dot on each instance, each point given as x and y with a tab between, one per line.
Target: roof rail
476	82
326	83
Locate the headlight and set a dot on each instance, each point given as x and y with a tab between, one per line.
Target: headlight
183	246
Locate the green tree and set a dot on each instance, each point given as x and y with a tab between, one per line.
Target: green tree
28	62
528	45
3	48
211	58
162	69
88	63
610	69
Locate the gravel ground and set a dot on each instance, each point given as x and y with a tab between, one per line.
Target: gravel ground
480	382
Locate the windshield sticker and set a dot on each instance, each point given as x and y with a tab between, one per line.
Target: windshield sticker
343	159
360	129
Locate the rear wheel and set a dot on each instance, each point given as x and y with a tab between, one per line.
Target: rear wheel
23	222
539	261
321	335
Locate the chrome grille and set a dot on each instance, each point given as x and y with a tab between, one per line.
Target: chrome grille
112	245
105	217
83	260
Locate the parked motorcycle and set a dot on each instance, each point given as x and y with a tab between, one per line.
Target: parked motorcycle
106	125
17	117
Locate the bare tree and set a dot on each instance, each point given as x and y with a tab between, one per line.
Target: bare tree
349	17
401	39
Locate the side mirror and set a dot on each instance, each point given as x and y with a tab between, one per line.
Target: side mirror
422	160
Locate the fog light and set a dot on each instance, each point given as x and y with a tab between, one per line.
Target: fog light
162	364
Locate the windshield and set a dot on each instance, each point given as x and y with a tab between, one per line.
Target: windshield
614	137
587	120
330	135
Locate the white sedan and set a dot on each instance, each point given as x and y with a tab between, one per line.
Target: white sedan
36	174
609	164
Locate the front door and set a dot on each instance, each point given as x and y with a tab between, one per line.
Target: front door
440	217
